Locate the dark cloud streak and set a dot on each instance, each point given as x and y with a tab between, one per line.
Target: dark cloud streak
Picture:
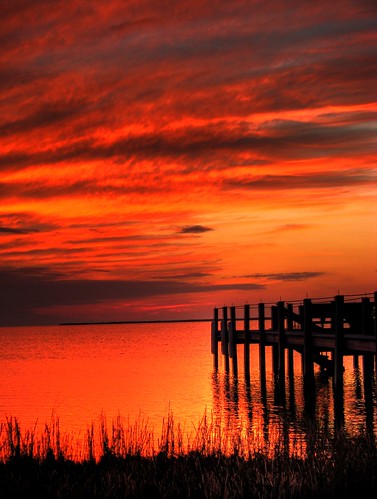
24	291
10	230
51	114
286	276
314	180
194	229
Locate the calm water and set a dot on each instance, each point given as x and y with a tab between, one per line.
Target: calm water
80	373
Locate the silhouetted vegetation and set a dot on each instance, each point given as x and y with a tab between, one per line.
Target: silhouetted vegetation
126	461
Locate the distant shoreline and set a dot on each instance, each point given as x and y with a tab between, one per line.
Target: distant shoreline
132	322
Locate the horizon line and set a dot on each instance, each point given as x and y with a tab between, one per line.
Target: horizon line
156	321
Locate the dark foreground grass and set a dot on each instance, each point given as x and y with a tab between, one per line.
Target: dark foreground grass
340	466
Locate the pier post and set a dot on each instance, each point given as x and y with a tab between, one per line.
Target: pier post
366	317
308	340
281	331
262	338
233	340
307	357
338	329
365	325
232	332
225	337
246	326
262	363
224	332
275	346
214	338
290	362
290	328
289	317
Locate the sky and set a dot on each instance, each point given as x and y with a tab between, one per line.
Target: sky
161	158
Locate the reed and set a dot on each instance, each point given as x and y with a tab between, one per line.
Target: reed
209	461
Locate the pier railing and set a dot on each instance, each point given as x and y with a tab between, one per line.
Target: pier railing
322	330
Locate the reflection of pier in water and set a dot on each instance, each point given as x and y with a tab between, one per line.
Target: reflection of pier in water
281	413
308	334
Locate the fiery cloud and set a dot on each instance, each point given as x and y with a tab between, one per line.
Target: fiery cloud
126	125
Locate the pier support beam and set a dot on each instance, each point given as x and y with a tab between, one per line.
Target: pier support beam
275	346
290	328
338	329
366	323
307	358
281	331
233	340
224	332
308	340
262	338
290	363
246	326
214	338
289	317
224	337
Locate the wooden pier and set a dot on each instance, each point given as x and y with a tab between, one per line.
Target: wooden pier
323	331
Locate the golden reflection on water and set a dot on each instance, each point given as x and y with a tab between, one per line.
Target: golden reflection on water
283	413
138	375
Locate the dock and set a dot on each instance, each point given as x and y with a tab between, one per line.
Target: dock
322	330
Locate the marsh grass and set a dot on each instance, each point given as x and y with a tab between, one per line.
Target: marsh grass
126	460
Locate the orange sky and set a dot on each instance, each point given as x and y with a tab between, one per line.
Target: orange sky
157	161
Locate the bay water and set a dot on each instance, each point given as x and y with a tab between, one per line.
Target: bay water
135	372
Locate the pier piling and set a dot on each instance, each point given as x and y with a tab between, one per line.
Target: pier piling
281	332
232	329
338	327
214	338
262	337
246	326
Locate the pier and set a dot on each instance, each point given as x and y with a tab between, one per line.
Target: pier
322	330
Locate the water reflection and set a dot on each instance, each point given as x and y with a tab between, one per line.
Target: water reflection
368	361
143	371
280	407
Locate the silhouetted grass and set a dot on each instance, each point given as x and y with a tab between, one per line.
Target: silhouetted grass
210	462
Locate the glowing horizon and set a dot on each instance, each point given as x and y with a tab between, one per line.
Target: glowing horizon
157	162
